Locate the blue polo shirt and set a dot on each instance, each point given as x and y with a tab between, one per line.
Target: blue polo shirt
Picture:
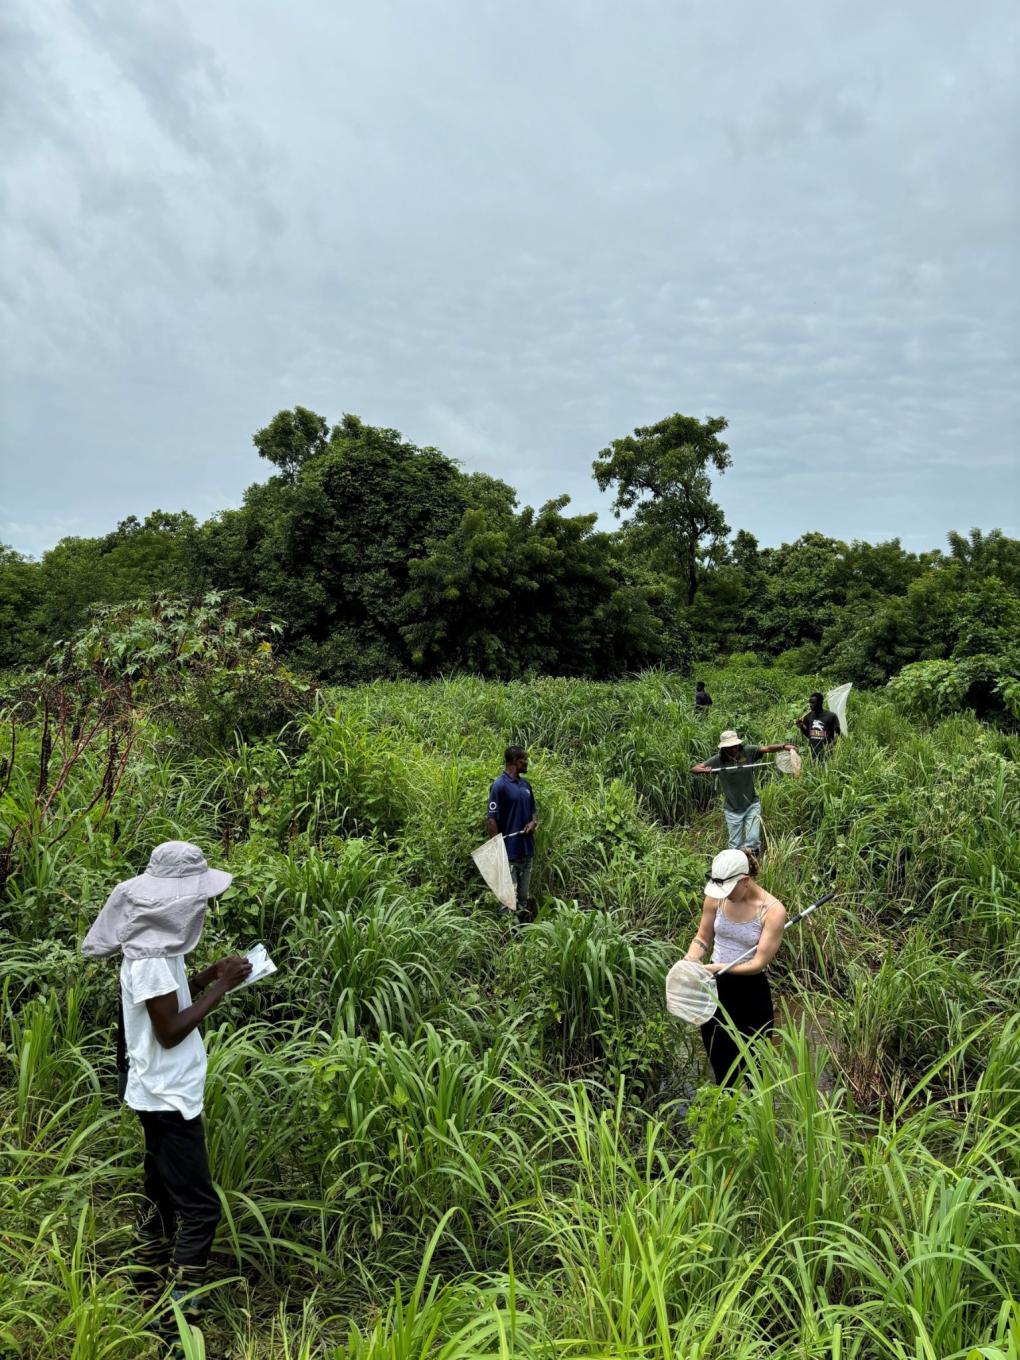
512	807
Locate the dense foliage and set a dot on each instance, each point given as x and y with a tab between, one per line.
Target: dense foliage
383	559
436	1136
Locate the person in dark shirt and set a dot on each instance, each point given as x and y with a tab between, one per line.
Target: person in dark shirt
820	726
512	815
702	698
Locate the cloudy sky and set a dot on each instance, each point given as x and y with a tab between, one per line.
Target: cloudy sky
516	231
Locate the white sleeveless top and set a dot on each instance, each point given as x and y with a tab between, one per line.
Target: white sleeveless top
733	938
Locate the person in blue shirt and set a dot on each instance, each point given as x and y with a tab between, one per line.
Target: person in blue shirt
511	814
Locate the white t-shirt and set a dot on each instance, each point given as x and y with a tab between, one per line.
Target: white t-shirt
160	1078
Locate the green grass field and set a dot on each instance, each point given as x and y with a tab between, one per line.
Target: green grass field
436	1135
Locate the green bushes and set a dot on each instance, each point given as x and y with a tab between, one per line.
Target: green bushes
438	1135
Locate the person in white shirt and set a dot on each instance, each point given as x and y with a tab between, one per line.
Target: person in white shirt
154	921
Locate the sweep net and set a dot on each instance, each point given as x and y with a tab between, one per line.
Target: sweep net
788	762
836	701
494	867
691	992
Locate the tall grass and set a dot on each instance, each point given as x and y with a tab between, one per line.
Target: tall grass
437	1135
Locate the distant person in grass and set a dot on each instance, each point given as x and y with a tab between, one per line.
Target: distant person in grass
820	726
702	698
737	915
742	806
154	921
512	815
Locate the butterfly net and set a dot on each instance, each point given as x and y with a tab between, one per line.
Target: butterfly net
836	701
788	762
494	867
691	992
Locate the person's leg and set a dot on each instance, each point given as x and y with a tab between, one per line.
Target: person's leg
523	882
751	829
515	879
734	828
722	1052
748	1002
184	1167
757	1011
154	1229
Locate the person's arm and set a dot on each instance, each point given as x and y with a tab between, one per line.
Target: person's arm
198	982
492	823
768	944
172	1025
706	767
779	746
701	946
533	819
802	723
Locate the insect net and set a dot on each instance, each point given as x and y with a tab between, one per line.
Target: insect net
836	701
494	866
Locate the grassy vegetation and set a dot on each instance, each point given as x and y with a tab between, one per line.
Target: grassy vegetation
438	1136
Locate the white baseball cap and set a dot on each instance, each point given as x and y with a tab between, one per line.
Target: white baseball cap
729	738
728	868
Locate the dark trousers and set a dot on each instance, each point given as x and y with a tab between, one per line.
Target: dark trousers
520	872
747	1003
181	1205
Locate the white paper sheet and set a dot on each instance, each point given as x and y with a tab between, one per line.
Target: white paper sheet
261	966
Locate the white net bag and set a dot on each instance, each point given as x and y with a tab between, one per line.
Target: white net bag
494	867
691	992
836	701
788	762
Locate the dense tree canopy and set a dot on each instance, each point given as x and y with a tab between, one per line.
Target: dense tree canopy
382	558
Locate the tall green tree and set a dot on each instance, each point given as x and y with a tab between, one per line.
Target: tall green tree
992	554
22	637
326	544
291	438
51	599
510	593
661	472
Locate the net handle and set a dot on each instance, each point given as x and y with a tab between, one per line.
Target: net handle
792	922
757	765
733	769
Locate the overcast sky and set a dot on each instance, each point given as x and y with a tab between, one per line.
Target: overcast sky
514	230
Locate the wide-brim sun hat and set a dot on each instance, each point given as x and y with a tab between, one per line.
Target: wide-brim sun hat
728	868
179	869
729	738
160	912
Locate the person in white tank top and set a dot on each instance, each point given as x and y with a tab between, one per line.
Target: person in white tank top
737	915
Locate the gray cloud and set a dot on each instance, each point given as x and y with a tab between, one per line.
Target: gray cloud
514	232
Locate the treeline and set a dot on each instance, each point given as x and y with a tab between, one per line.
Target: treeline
381	558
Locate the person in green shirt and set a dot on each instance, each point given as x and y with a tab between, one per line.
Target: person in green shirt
741	804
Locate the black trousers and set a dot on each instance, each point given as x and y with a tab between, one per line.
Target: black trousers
747	1003
181	1205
